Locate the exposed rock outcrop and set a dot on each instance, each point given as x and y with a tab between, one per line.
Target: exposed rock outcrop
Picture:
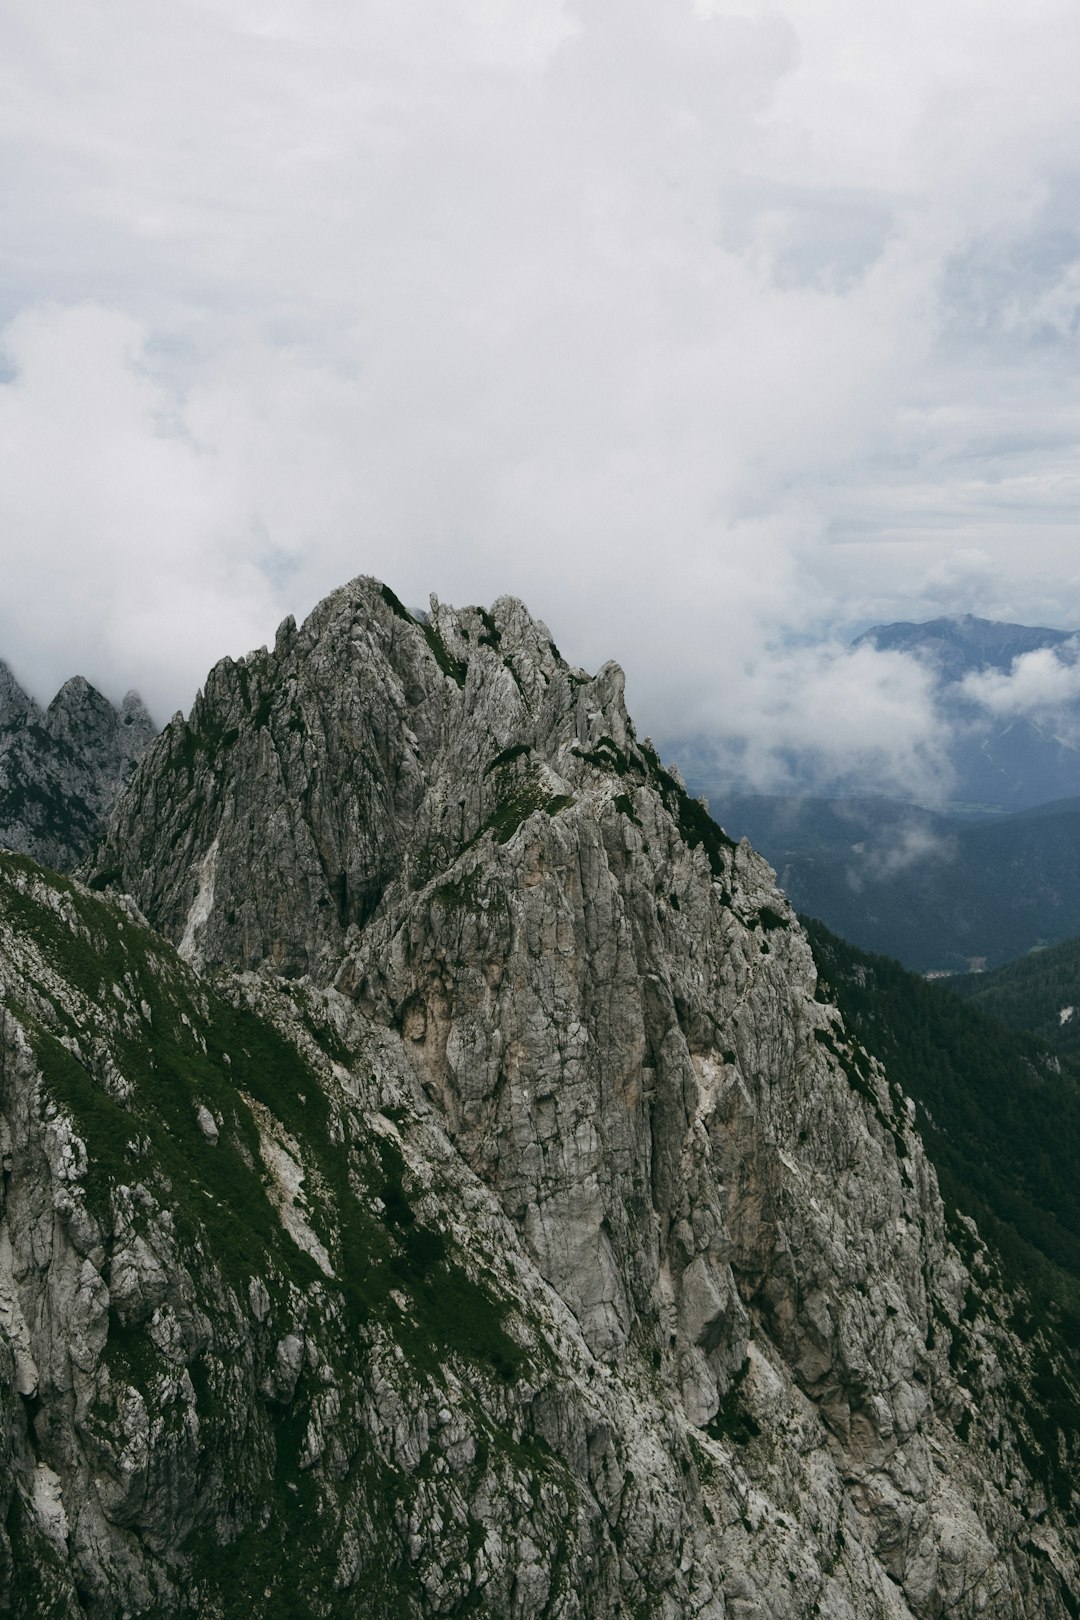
503	1213
61	768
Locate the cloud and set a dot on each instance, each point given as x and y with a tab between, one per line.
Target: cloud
826	719
121	556
707	329
895	854
1040	685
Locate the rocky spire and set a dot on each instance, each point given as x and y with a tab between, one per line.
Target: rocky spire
16	706
61	769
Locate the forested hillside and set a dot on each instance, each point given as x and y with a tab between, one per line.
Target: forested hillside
1000	1117
999	1113
1040	993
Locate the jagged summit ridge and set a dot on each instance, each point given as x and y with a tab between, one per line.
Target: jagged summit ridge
344	729
16	706
62	767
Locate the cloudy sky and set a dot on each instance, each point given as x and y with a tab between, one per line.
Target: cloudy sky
713	330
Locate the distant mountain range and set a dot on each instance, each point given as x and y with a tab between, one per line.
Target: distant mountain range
961	646
942	893
968	885
1011	762
998	762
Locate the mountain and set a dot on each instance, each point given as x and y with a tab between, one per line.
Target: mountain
1040	993
995	762
439	1182
964	645
61	768
942	893
1010	762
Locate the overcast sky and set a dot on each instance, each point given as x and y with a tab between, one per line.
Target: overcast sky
714	331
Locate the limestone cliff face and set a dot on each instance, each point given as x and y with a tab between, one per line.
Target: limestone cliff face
62	767
268	1345
560	1254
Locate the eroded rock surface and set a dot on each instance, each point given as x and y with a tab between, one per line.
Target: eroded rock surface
501	1218
61	768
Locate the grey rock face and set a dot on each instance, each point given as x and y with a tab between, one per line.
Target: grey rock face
612	1014
699	1352
16	706
308	1354
193	1422
61	768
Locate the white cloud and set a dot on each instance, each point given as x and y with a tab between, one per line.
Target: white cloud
699	327
1040	685
121	531
826	718
910	845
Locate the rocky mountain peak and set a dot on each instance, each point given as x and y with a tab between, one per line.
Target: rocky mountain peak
16	706
61	768
480	1200
136	717
363	750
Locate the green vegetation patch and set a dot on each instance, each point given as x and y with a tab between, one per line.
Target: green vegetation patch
452	1311
519	798
492	636
39	1586
607	756
460	894
454	668
507	757
396	605
696	827
394	1265
624	804
216	1191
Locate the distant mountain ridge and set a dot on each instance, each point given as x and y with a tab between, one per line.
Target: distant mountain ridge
62	767
941	893
973	883
965	644
1011	761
